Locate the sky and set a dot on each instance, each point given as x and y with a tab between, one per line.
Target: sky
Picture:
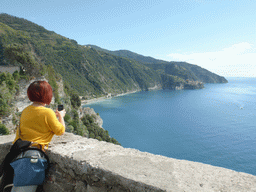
218	35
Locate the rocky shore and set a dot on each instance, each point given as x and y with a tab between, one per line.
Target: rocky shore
110	96
187	85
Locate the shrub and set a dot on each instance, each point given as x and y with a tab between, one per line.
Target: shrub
67	118
75	101
96	131
16	75
70	129
112	140
74	124
91	135
75	115
4	108
3	129
99	138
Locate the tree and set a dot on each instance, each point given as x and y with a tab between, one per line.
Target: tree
67	118
74	124
52	81
112	140
3	129
75	114
5	93
99	138
75	100
95	131
70	129
87	120
4	108
11	84
91	135
2	77
16	75
16	53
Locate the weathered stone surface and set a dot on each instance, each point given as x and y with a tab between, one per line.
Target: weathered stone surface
81	164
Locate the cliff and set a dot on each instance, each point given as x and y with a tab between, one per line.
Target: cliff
91	71
81	164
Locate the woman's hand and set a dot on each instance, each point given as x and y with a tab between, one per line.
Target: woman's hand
60	114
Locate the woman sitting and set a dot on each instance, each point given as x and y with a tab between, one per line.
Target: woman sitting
38	125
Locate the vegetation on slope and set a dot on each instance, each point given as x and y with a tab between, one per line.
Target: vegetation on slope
87	70
43	53
8	88
182	70
188	71
85	126
91	71
3	129
131	55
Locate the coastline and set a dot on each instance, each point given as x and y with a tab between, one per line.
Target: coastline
99	99
95	100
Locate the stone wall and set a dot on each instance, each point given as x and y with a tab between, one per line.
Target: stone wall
82	164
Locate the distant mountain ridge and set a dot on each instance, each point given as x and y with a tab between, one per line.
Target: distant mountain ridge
130	55
180	69
90	70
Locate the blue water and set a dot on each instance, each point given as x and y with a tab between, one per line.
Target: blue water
215	125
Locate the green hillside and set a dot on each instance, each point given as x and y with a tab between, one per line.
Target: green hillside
131	55
181	69
188	71
91	71
87	70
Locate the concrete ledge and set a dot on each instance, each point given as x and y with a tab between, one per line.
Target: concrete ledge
81	164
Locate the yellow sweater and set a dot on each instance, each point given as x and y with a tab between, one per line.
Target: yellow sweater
39	124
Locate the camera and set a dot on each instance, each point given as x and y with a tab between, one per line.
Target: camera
60	107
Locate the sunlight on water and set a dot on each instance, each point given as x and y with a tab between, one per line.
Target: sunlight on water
242	91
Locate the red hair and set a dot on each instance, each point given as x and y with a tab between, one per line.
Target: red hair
40	91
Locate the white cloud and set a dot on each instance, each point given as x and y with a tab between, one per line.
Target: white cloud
237	60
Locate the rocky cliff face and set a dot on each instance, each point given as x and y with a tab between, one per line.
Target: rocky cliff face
87	110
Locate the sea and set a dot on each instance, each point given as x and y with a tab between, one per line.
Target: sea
215	125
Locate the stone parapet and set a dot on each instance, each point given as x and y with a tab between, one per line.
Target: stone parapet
82	164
